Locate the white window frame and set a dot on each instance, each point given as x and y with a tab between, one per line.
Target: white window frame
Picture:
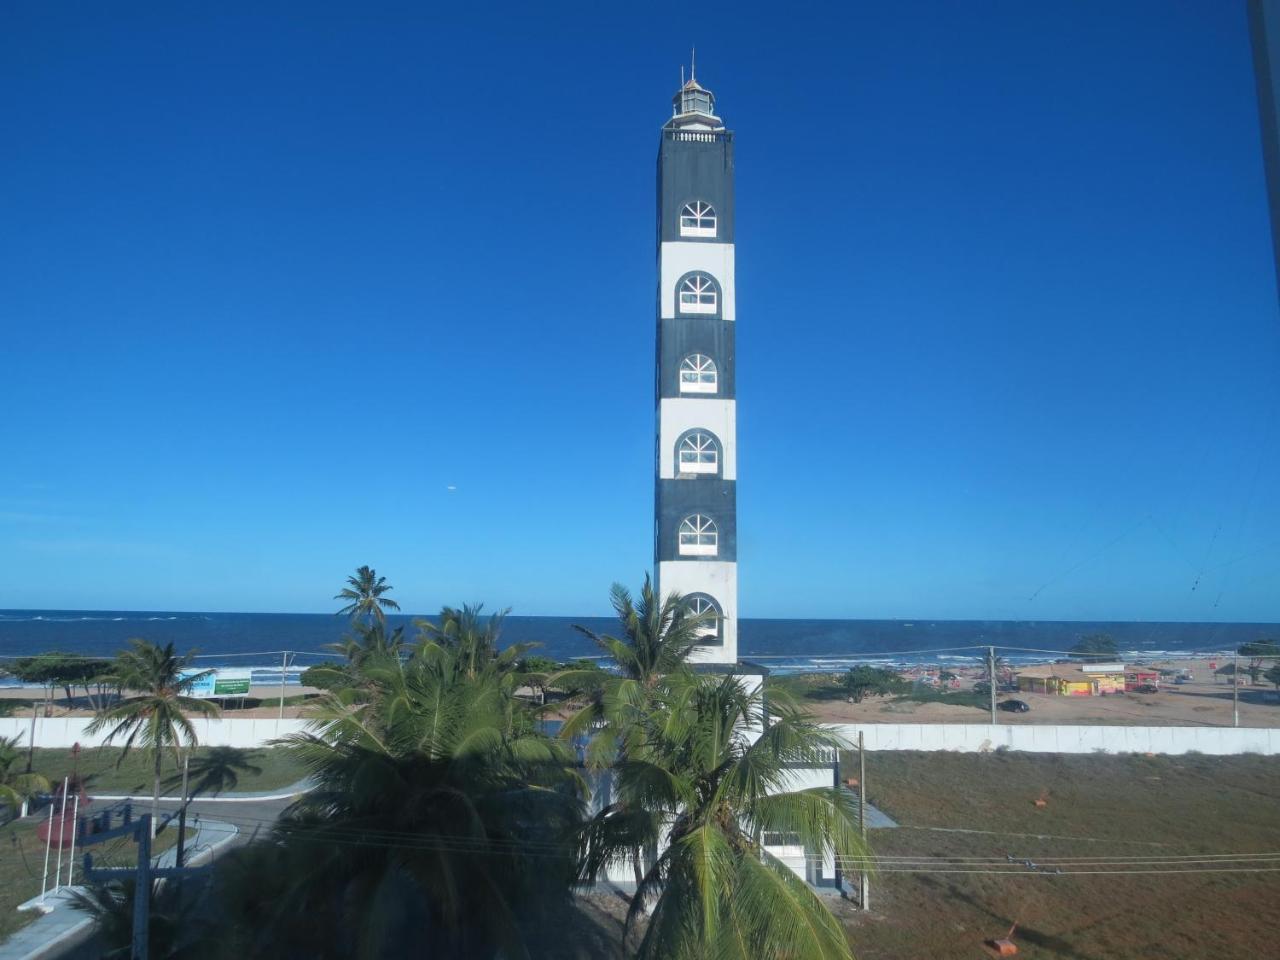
698	452
710	630
698	536
698	219
698	374
698	294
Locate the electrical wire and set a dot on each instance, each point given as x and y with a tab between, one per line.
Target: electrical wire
889	655
369	836
1017	868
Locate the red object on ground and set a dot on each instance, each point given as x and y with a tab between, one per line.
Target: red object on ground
1002	946
62	826
62	829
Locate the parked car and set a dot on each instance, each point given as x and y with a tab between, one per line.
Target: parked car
1014	706
1148	688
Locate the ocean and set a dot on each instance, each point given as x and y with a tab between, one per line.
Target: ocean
255	640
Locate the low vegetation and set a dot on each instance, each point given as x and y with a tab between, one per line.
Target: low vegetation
955	698
71	673
22	865
1109	808
1096	647
213	770
18	784
448	820
859	683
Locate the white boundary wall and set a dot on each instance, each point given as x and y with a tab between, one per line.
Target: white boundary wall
67	731
1064	738
960	737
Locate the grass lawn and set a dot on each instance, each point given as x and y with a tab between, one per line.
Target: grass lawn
1113	807
213	770
22	866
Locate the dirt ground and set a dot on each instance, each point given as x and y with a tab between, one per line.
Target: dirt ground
1108	815
1201	702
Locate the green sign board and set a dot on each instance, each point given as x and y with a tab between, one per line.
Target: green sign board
230	687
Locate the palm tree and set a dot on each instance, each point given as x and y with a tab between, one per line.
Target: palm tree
698	779
441	820
657	637
17	788
155	715
365	596
111	907
371	639
474	641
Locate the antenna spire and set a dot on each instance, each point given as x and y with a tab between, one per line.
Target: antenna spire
693	64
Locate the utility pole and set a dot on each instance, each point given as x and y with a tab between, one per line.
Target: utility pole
865	898
62	830
180	853
48	845
144	874
1235	688
75	828
991	675
31	747
284	666
142	891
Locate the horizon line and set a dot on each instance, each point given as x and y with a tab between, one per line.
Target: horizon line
610	616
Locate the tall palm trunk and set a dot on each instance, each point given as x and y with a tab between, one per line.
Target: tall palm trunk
155	797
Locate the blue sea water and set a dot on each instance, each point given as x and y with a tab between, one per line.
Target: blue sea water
255	640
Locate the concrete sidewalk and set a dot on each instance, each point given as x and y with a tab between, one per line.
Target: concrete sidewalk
284	793
879	820
62	926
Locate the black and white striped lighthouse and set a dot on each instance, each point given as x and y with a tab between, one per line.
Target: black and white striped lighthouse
695	535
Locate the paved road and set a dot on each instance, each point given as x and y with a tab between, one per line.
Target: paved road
251	818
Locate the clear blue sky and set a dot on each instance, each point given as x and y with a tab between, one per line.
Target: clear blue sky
272	284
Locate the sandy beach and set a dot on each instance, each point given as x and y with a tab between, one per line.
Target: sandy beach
1200	702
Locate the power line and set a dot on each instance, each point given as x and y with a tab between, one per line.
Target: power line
1031	836
1043	867
1092	873
370	836
798	655
887	655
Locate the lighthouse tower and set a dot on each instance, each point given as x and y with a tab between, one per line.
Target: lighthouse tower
695	503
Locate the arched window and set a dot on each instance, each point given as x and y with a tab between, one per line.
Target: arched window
703	605
698	374
697	453
698	219
698	294
698	536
